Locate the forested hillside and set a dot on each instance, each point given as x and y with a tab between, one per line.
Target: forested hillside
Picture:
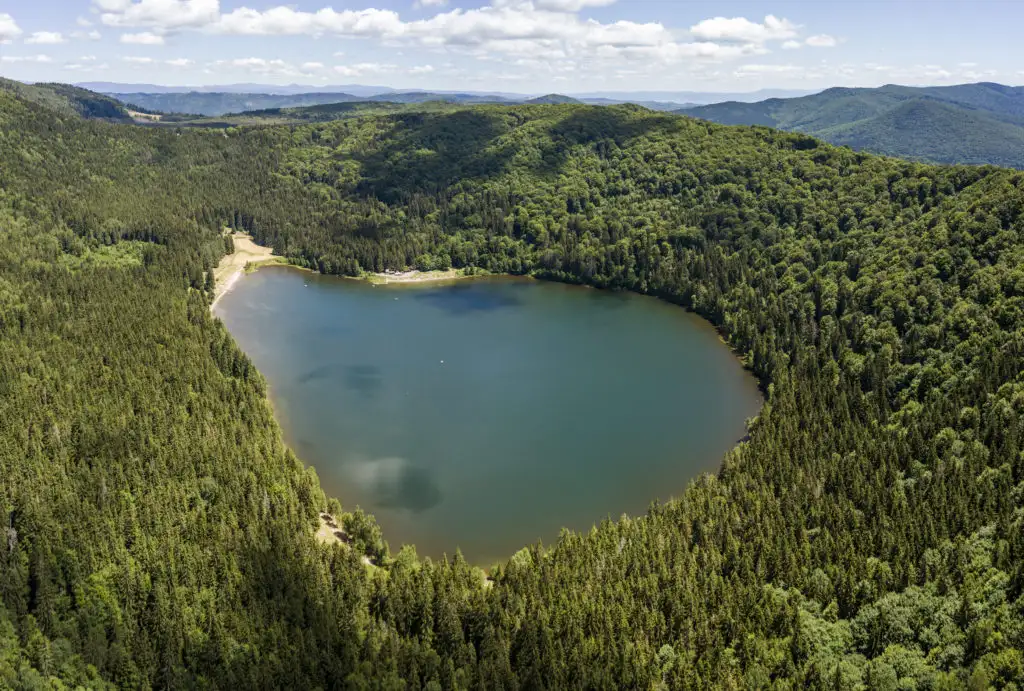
69	100
867	534
968	123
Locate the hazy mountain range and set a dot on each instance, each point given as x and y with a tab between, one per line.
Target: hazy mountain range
234	98
979	123
967	123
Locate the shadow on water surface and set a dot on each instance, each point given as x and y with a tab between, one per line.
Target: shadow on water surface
365	380
396	483
468	298
315	374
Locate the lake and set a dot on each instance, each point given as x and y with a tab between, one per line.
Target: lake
488	413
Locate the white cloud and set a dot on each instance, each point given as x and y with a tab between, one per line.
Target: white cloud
9	29
311	66
136	60
430	3
86	35
422	69
46	38
288	21
261	66
26	58
143	38
570	5
822	41
86	63
791	45
179	62
362	69
527	36
741	29
756	70
162	14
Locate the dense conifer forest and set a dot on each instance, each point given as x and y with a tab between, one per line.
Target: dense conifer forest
155	531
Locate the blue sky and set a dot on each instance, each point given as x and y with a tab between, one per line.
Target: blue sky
528	46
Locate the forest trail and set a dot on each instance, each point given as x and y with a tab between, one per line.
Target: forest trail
232	266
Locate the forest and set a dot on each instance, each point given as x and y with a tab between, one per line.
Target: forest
157	533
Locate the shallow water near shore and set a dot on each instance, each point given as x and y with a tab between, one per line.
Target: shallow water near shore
488	413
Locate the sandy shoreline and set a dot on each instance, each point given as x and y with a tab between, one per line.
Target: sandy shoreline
232	266
414	276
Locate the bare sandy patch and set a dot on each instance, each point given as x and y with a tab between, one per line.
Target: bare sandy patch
415	276
330	532
144	117
232	266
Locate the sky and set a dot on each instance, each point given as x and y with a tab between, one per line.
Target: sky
524	46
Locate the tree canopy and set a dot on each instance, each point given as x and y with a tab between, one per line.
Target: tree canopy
156	532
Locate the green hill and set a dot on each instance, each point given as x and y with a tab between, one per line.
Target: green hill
552	99
923	129
69	100
155	531
969	123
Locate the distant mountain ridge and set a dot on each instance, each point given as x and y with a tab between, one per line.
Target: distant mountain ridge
220	103
967	123
367	90
216	104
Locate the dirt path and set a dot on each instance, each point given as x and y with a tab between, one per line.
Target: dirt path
232	266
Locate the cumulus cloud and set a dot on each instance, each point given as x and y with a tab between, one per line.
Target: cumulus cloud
86	35
741	29
791	45
311	66
137	60
756	69
25	58
422	69
180	62
363	68
143	38
821	41
261	66
289	21
548	34
9	29
570	5
46	38
163	14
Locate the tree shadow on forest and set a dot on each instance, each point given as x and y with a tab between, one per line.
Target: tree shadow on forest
286	601
429	152
602	127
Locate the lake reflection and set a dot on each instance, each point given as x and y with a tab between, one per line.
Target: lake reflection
488	413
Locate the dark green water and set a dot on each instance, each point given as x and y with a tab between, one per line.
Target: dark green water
488	413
